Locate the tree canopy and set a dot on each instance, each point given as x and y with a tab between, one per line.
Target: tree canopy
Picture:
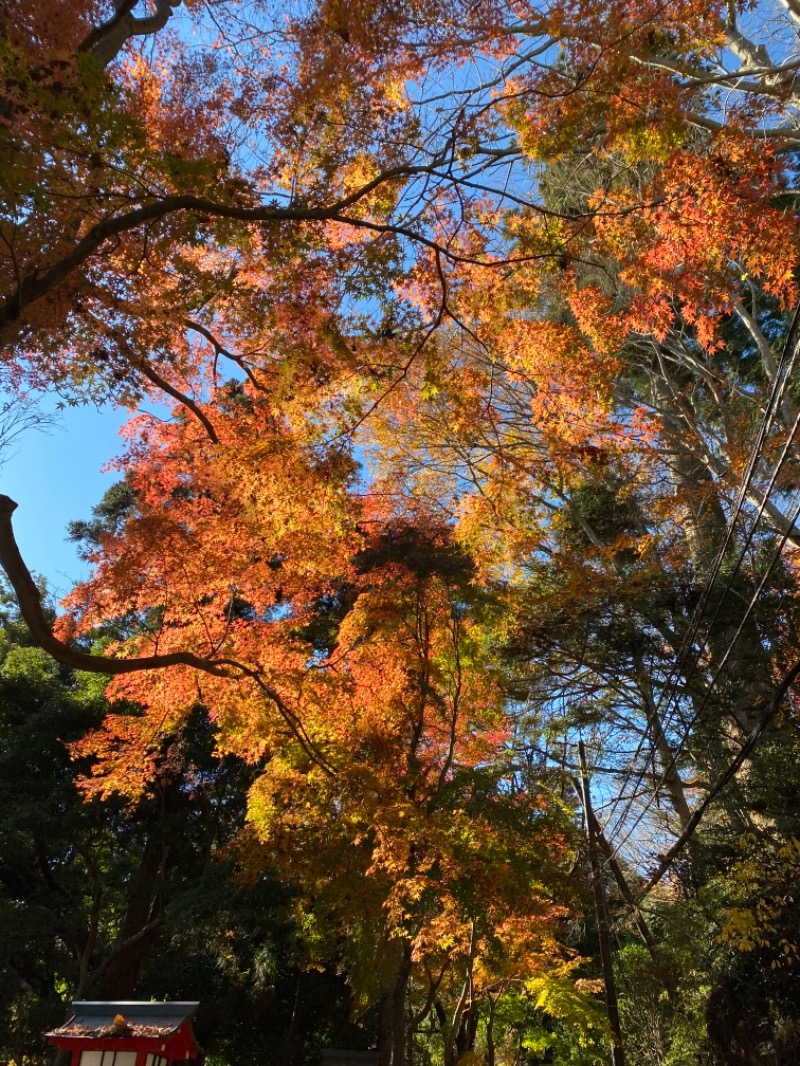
464	557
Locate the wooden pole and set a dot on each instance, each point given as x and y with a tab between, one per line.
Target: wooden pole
617	1053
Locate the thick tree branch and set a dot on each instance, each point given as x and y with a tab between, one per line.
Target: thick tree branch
86	951
221	350
186	401
742	46
626	892
792	8
768	360
780	133
36	285
770	80
107	40
30	603
120	949
147	371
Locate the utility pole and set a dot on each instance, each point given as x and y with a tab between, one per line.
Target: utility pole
617	1054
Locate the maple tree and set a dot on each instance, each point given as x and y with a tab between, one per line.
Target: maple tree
360	687
133	143
117	901
424	848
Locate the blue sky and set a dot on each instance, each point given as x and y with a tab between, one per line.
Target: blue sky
55	476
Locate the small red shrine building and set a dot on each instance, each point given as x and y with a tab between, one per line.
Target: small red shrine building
128	1034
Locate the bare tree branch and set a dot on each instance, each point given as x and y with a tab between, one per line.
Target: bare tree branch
107	40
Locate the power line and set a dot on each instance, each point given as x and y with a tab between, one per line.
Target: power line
754	599
747	747
670	691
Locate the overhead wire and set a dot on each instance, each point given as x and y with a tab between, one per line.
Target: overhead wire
777	552
789	677
720	668
678	749
671	691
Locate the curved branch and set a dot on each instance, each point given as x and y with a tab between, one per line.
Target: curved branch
36	285
30	604
106	41
220	349
147	371
783	134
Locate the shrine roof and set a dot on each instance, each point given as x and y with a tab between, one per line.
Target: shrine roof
124	1018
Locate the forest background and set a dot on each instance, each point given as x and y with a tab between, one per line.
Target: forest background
432	687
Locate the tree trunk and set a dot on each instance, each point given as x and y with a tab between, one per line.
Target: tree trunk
609	986
662	748
392	1044
743	679
144	904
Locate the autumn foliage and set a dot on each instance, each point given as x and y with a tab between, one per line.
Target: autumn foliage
472	327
